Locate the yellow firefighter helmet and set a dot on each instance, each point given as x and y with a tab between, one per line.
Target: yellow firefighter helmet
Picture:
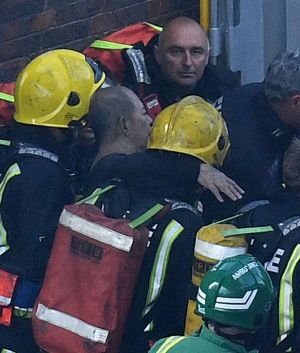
55	88
194	127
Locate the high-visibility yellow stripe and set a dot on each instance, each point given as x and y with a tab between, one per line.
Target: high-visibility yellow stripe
5	142
247	230
3	238
170	343
22	313
157	28
159	269
143	218
94	196
11	172
286	305
104	44
4	350
7	97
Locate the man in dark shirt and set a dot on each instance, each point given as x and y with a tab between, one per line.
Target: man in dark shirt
184	135
177	66
119	136
261	118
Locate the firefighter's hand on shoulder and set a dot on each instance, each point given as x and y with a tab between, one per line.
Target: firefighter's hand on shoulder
217	182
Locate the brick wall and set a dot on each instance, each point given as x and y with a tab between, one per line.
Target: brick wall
30	27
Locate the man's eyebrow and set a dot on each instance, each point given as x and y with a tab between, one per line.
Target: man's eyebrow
175	47
199	47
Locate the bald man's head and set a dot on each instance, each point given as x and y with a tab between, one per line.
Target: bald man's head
182	52
107	107
117	115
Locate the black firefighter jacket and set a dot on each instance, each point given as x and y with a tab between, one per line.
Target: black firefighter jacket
258	141
279	252
33	191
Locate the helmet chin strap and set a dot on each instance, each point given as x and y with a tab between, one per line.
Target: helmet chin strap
73	133
74	128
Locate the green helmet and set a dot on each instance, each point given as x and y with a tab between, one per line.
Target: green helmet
236	292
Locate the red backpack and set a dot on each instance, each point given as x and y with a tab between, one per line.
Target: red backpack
7	107
108	50
90	279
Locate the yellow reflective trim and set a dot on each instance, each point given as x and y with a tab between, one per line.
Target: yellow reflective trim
7	97
161	260
104	44
170	343
91	199
286	305
143	218
157	28
3	238
247	230
5	142
12	171
4	350
22	313
94	196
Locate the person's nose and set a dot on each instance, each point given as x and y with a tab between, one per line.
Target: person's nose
187	60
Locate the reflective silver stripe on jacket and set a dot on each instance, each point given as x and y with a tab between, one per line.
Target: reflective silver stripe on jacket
71	323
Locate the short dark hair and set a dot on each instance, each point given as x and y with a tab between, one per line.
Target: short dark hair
108	105
283	77
291	166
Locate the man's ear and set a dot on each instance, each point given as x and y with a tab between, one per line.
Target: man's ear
208	54
295	101
124	126
207	59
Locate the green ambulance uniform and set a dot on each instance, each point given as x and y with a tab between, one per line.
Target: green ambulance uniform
205	341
